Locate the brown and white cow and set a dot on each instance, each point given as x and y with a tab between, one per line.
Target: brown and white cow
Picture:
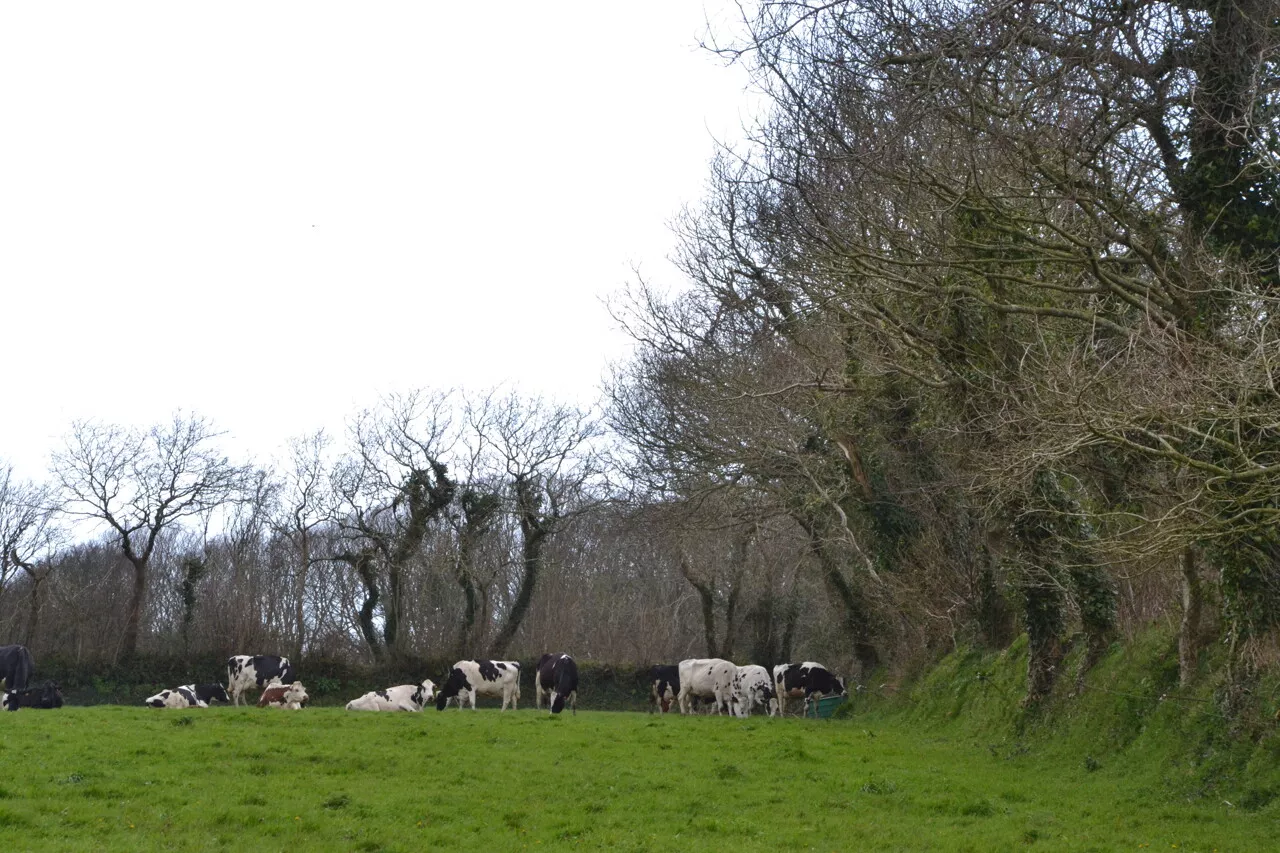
277	695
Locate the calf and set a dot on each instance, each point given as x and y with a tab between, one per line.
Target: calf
467	678
48	696
277	695
403	697
189	696
250	672
752	686
808	679
706	678
558	676
664	687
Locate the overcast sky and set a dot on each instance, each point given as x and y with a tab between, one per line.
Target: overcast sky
271	213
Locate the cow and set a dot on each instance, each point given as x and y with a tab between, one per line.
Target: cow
752	686
250	672
15	668
280	695
706	678
47	696
808	679
557	675
493	678
664	687
402	697
189	696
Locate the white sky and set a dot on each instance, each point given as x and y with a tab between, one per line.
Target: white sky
269	213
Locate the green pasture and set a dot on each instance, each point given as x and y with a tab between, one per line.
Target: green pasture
128	778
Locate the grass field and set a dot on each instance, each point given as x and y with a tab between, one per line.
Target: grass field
126	778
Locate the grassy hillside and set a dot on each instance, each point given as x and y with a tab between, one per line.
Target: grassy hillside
1215	743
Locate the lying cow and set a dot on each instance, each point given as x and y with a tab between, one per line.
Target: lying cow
557	675
664	687
467	678
402	697
47	696
189	696
277	695
253	672
804	680
752	686
706	678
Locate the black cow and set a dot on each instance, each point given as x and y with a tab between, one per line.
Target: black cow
467	678
15	667
47	696
558	676
664	686
246	672
806	679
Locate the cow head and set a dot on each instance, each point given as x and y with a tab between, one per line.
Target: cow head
456	682
557	703
426	693
296	695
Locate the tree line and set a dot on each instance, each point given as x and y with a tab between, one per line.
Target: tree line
975	341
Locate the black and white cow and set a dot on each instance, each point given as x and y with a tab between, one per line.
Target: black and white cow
15	667
402	697
467	678
808	679
751	687
47	696
664	687
189	696
557	675
706	678
252	672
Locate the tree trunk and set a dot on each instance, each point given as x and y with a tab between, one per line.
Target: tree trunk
300	595
1189	630
133	620
708	601
1045	617
531	560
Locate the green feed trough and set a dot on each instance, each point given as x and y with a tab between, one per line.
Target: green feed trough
823	708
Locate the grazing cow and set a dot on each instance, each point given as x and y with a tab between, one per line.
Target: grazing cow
402	697
15	667
47	696
278	695
664	687
707	678
558	676
808	679
189	696
250	672
493	678
752	686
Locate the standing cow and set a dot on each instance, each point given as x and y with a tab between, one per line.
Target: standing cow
808	679
253	672
557	675
751	687
664	687
469	678
15	668
402	697
706	678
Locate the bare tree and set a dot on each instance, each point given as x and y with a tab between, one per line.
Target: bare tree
29	536
546	455
139	484
390	490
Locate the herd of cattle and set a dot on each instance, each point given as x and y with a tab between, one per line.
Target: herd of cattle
728	688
